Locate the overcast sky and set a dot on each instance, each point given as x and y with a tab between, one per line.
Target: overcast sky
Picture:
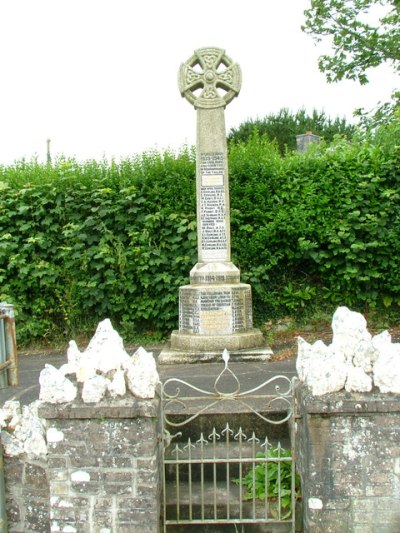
99	77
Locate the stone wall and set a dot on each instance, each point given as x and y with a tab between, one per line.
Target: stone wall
349	461
101	473
27	494
104	466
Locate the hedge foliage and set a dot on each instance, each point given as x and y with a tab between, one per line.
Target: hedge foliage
83	241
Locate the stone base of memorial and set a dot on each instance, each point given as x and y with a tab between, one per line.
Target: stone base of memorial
215	313
198	351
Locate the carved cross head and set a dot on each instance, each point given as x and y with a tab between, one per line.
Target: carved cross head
209	79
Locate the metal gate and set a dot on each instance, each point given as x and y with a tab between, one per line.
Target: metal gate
227	475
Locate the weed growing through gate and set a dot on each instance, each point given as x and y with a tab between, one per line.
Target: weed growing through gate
272	478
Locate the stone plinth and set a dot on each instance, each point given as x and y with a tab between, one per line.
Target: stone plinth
233	342
194	348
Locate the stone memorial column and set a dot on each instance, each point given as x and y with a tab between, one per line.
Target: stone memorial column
215	310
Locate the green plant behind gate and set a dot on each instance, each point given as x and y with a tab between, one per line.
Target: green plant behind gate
272	479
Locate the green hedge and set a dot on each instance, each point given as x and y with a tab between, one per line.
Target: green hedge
83	241
319	227
80	242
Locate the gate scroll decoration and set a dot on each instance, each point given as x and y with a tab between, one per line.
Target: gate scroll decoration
231	452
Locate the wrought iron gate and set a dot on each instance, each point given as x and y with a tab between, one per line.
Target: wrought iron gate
228	475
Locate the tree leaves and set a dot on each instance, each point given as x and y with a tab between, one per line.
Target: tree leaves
362	35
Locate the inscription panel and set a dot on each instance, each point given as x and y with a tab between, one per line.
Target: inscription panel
188	311
216	312
215	279
213	227
220	311
215	322
242	316
212	168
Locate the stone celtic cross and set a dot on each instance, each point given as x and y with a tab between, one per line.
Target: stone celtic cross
209	79
215	310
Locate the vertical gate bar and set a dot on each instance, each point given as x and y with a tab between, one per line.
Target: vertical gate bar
178	496
253	454
11	346
8	345
164	492
164	466
240	476
266	480
228	510
3	356
190	479
214	473
292	433
279	481
202	474
293	495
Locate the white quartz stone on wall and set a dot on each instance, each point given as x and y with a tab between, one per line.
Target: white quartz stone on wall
104	368
142	375
355	360
27	435
94	389
381	342
364	355
320	367
348	328
10	410
106	349
358	380
117	386
12	447
387	368
55	387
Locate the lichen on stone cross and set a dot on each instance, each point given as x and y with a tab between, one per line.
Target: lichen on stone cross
204	72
